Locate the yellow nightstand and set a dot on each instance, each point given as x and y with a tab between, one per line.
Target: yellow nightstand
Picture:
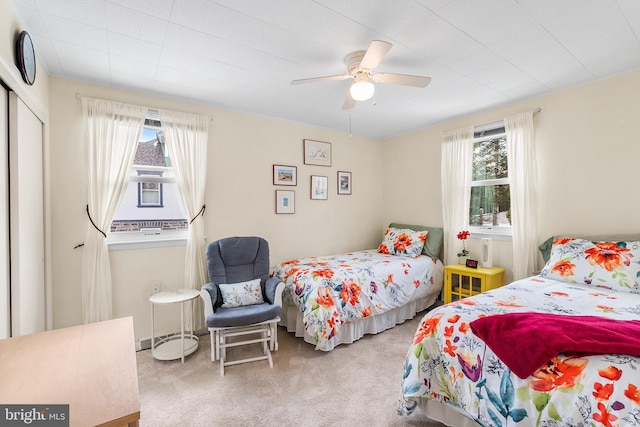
461	281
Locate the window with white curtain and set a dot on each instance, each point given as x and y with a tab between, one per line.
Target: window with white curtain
490	200
151	212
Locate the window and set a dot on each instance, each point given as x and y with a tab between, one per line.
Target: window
149	193
490	203
151	210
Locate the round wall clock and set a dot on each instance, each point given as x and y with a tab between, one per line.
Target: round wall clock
26	57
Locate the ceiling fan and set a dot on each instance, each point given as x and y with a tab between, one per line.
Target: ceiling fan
361	65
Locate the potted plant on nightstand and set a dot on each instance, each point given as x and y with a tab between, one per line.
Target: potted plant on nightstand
464	254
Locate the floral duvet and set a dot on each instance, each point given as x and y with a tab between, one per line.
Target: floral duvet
330	291
447	362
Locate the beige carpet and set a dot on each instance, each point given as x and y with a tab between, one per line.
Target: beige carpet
353	385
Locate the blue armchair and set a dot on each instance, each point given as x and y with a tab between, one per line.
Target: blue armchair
241	299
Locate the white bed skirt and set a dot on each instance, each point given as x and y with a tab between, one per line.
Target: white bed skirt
353	331
445	414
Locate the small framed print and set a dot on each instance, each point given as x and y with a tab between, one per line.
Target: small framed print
317	153
319	190
344	182
285	175
471	263
285	201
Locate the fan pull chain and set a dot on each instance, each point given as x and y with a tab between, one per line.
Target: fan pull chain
349	125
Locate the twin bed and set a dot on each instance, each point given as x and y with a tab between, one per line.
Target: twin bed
557	349
338	299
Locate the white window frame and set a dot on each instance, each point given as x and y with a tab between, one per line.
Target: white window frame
148	238
149	178
498	233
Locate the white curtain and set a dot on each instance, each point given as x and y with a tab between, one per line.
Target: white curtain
457	150
112	133
186	136
521	156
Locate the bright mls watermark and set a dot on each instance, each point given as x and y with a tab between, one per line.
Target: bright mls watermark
34	415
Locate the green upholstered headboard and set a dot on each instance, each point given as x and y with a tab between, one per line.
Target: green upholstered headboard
434	246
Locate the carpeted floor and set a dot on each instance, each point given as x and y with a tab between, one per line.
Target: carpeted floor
355	384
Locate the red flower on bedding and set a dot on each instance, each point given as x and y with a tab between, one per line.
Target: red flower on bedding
350	292
454	318
448	332
464	327
608	255
427	327
611	373
402	242
602	392
450	349
383	249
324	297
633	393
558	374
604	416
564	268
563	240
325	273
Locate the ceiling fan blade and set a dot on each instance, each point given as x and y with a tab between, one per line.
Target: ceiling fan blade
349	102
321	79
402	79
377	50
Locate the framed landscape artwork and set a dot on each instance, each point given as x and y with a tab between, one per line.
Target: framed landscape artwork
317	153
344	182
285	201
285	175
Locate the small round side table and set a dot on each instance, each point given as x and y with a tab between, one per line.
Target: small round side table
176	345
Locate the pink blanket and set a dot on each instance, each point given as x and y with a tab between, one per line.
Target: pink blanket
526	341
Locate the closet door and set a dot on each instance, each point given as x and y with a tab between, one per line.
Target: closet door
26	201
5	302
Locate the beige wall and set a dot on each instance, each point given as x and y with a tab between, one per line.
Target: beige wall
240	198
588	146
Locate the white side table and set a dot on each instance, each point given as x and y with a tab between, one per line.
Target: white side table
180	344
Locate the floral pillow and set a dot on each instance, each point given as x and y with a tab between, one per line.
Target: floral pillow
403	241
613	265
241	294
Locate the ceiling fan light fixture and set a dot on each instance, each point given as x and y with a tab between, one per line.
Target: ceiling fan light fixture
361	90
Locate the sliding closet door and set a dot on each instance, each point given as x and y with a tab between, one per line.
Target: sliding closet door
5	302
26	201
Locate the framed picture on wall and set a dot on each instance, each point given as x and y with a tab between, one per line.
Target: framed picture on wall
344	182
317	153
285	175
319	190
285	201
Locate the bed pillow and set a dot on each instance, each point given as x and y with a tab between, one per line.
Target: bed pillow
403	241
241	294
610	264
545	247
434	246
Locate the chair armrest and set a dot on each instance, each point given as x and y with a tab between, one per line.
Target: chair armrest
270	289
209	295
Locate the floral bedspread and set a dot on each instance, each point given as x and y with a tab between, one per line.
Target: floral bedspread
447	362
332	290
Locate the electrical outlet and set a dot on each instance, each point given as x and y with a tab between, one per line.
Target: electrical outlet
155	287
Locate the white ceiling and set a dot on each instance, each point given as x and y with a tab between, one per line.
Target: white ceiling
241	55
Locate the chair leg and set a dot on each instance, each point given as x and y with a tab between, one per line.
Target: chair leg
212	337
222	352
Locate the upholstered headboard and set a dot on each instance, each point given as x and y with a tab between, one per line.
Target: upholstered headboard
434	246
